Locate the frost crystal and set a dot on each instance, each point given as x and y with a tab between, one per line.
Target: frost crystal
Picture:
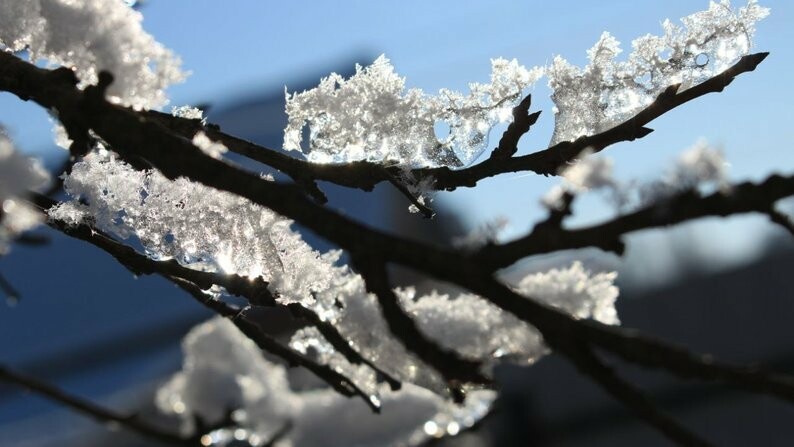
606	91
188	112
700	163
372	116
477	328
189	222
209	147
18	176
589	172
92	36
576	291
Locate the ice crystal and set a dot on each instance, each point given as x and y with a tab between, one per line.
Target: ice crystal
209	147
606	92
477	328
213	230
188	112
18	176
189	222
700	163
576	291
372	116
91	36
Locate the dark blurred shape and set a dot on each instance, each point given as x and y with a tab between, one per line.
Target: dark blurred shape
740	316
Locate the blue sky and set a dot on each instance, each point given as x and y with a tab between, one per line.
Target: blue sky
236	47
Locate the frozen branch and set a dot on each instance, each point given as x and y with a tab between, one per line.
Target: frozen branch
197	283
365	175
145	142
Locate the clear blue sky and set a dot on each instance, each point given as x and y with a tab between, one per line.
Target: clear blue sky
236	47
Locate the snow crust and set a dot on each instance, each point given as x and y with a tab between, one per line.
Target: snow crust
372	116
607	91
91	36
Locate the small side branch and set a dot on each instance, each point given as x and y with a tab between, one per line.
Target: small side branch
332	336
522	121
102	415
453	367
338	382
689	205
588	364
657	354
267	343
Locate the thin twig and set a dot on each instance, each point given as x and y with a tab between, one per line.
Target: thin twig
589	365
103	415
267	343
522	120
339	382
689	205
452	366
780	218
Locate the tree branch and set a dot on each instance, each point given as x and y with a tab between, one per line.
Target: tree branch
588	364
146	143
455	369
255	290
689	205
365	175
102	415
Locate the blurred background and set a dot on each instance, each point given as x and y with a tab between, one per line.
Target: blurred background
718	285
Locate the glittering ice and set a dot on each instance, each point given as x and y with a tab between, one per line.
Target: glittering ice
601	95
372	116
186	221
211	230
478	329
